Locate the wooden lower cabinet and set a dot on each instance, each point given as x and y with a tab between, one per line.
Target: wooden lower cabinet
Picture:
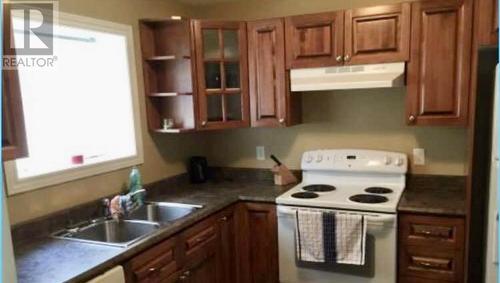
159	264
227	251
196	255
431	249
258	243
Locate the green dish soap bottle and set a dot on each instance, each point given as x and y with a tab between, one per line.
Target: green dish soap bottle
135	184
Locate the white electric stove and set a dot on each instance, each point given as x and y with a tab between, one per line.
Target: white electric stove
364	182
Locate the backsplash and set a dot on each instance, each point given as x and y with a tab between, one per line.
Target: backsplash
367	119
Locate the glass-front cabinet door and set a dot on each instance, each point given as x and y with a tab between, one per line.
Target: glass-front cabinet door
222	74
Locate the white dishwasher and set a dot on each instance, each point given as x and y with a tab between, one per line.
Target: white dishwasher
114	275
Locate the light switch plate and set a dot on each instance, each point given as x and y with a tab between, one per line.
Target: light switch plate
260	152
419	156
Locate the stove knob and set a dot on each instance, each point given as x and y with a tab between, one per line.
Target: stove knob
387	160
309	158
400	162
319	158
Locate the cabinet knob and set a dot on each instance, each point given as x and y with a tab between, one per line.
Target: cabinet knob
282	120
152	269
339	59
223	219
203	123
347	58
187	273
411	118
182	278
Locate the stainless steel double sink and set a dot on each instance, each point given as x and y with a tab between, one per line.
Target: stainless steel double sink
139	224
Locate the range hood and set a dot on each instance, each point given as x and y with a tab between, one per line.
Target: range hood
348	77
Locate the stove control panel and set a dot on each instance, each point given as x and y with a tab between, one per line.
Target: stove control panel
355	160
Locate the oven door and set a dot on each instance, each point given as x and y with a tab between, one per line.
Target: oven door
380	262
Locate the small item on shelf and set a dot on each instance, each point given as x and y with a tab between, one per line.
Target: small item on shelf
282	175
168	123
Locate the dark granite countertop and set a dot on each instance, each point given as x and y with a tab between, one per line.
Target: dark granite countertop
428	194
49	260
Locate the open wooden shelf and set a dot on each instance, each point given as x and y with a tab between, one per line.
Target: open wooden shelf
166	58
174	131
168	74
167	94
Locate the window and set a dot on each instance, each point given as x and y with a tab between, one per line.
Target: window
81	114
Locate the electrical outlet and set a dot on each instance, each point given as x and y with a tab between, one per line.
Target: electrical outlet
419	156
261	153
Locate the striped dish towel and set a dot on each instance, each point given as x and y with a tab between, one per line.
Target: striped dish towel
309	235
330	237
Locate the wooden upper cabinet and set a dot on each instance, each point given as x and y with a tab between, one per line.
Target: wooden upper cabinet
378	34
314	40
168	66
486	15
222	74
271	103
439	68
13	131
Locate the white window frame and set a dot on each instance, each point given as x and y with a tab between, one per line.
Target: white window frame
16	185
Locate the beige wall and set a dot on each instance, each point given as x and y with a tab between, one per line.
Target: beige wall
163	156
371	119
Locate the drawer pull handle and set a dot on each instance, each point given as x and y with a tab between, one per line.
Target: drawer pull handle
430	263
202	238
152	269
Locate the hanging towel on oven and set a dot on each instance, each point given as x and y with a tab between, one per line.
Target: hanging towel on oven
330	237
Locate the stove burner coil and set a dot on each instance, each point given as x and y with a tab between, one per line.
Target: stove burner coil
378	190
305	195
319	188
363	198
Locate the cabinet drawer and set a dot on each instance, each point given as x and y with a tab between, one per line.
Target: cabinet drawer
155	265
200	240
444	232
431	263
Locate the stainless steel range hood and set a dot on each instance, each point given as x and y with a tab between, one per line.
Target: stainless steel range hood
348	77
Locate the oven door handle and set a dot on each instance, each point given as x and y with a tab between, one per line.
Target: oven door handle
375	219
380	219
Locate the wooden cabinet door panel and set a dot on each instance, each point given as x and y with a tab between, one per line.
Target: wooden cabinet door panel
13	130
258	243
486	14
266	53
227	267
378	34
439	69
222	74
314	40
202	272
